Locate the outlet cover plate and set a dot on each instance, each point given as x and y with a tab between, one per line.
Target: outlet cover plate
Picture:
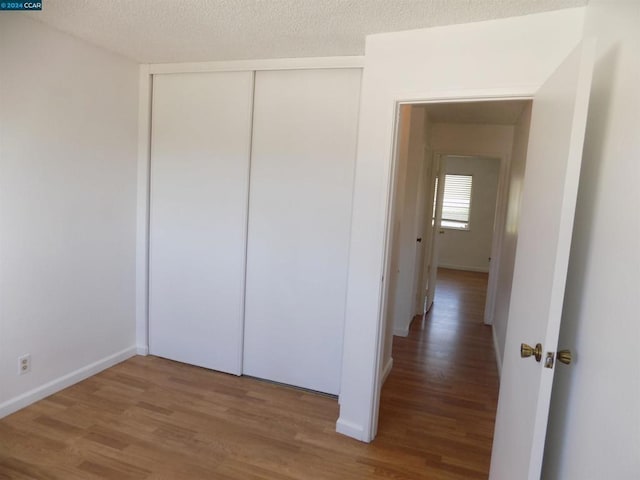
24	364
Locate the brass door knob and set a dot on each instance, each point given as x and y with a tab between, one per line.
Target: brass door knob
527	351
564	356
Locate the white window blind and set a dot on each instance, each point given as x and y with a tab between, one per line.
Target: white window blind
456	203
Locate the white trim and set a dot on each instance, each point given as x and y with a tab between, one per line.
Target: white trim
142	208
387	370
496	349
499	223
463	268
142	350
371	428
524	92
263	64
32	396
468	152
350	429
245	233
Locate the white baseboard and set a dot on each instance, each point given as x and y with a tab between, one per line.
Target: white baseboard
497	350
32	396
464	267
401	331
142	350
386	370
350	429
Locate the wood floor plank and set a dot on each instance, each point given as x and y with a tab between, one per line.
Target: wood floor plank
153	419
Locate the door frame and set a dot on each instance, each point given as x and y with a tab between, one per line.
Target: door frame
500	211
444	97
434	196
426	174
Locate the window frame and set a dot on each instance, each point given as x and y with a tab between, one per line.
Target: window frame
467	227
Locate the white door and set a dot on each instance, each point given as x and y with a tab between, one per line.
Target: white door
436	231
550	188
422	219
302	169
201	128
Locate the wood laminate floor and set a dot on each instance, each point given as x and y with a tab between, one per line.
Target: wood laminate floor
150	418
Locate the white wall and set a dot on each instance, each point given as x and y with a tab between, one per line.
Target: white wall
412	169
594	425
67	208
472	139
471	249
395	226
408	228
510	238
509	55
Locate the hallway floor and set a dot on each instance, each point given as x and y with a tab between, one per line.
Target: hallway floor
151	418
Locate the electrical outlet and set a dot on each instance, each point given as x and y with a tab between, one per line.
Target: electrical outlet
24	364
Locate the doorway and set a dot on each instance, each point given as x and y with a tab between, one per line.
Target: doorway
467	141
429	136
463	218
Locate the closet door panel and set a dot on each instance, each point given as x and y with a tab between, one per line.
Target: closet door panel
201	129
302	168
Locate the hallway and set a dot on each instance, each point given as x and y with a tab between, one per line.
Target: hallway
442	393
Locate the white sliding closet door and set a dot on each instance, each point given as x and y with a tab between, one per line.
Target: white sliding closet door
302	168
201	129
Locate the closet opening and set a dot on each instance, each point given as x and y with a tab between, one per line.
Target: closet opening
251	184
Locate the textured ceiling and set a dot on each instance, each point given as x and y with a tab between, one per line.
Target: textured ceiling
506	112
155	31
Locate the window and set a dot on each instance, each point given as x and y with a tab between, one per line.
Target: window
456	203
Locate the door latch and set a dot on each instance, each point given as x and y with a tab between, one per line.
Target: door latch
548	361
